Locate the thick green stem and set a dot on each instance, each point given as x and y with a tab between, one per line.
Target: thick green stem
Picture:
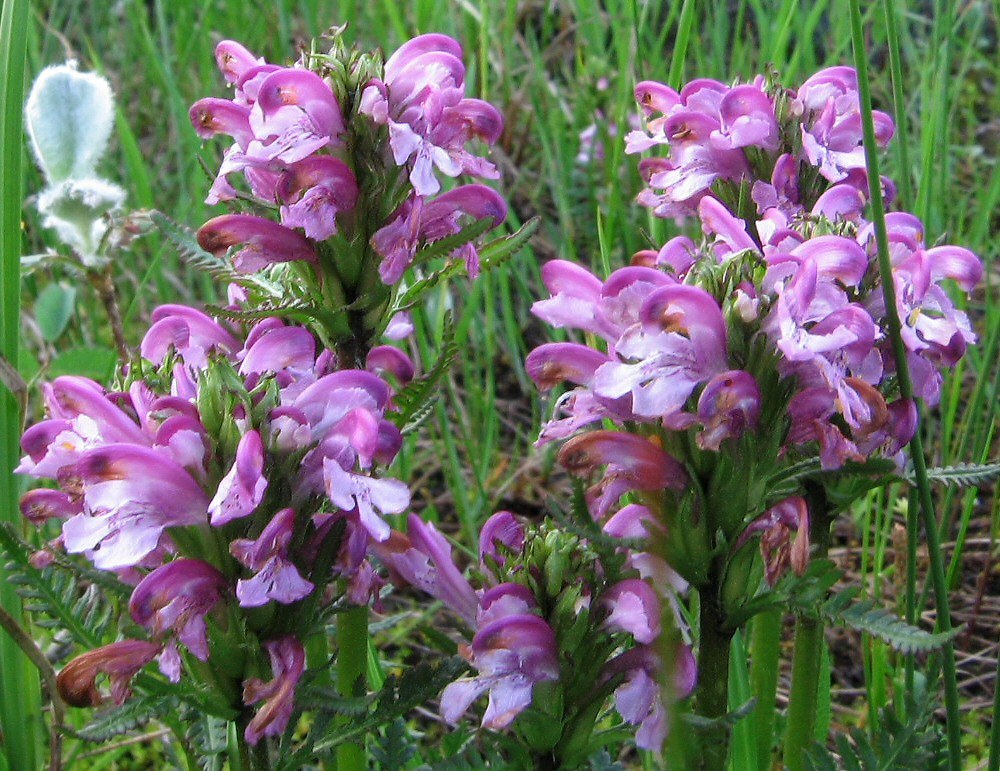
352	661
801	725
765	651
712	696
800	728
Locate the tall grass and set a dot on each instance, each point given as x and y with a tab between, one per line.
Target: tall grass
20	719
555	69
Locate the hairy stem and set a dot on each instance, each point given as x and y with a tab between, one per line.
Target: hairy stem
352	659
808	653
765	652
712	696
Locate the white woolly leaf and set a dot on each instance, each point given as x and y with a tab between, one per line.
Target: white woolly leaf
68	117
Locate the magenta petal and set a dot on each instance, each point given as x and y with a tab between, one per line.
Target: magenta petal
419	46
234	60
241	491
633	607
500	529
263	242
288	662
553	363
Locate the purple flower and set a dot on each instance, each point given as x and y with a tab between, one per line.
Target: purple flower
288	662
263	242
423	559
295	115
234	60
633	463
370	496
419	221
777	547
728	406
120	661
131	495
501	534
633	607
241	490
831	122
177	597
191	333
680	343
276	578
422	100
314	191
512	654
640	699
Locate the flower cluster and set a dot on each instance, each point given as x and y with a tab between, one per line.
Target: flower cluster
229	473
305	145
758	133
551	614
714	364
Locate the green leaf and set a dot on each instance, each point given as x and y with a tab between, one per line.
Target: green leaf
135	712
398	696
866	616
53	309
414	402
95	363
963	474
892	746
499	251
186	242
395	748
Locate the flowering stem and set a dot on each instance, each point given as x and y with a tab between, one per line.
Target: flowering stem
906	392
765	651
352	658
712	699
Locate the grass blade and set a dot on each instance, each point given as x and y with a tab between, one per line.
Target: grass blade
906	391
20	715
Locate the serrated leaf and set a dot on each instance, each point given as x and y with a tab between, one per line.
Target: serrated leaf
398	696
498	251
53	309
866	616
395	748
186	242
137	711
413	401
448	244
962	474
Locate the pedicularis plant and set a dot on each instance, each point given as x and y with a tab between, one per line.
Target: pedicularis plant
728	395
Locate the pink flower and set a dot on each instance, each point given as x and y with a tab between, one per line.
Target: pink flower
288	662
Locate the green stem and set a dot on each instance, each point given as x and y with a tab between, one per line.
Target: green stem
712	696
801	725
807	656
352	661
765	650
906	392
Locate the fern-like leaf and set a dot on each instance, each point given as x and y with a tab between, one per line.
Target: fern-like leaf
395	747
413	401
186	242
135	712
964	474
398	696
893	745
865	616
